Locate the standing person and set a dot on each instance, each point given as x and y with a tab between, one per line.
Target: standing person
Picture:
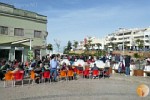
58	58
53	67
127	65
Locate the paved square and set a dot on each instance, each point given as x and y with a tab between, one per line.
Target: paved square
117	87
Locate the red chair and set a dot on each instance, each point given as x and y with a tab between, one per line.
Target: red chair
8	77
63	74
46	75
75	70
86	73
95	73
33	77
79	72
70	74
18	76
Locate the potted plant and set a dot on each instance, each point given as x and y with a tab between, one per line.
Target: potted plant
138	71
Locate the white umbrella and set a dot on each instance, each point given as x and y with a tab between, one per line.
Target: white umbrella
99	64
65	61
79	63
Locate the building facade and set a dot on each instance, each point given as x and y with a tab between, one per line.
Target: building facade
120	40
20	32
94	42
126	38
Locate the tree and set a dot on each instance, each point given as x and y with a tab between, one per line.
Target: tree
140	43
49	47
69	44
57	43
92	46
86	47
75	44
105	47
89	43
98	45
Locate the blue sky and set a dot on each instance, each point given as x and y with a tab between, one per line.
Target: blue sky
76	19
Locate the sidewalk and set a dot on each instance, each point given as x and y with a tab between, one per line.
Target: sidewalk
122	77
117	87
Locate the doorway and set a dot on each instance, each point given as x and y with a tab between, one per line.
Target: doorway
4	54
18	55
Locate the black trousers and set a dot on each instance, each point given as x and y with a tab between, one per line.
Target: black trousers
1	75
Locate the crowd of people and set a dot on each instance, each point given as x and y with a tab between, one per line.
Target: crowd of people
53	65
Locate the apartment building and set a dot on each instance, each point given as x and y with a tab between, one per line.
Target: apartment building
126	38
21	31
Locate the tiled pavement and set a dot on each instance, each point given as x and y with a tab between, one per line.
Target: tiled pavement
117	87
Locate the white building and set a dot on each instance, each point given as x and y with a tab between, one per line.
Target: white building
122	38
94	42
128	37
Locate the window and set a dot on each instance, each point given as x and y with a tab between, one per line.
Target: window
37	34
19	32
3	30
146	36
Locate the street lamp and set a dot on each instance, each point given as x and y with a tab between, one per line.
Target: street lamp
123	42
123	31
30	44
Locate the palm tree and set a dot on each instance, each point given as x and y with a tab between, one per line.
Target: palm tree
106	47
49	47
115	46
140	43
86	48
98	45
89	43
92	45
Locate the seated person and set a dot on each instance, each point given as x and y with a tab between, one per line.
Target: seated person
17	68
38	71
95	67
46	67
70	68
64	67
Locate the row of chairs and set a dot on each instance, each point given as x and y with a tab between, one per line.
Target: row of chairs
96	73
19	75
13	76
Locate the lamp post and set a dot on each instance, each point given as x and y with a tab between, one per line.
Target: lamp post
144	43
123	42
30	44
123	31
